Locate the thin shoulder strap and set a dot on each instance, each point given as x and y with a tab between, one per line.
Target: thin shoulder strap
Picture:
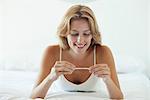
60	53
95	55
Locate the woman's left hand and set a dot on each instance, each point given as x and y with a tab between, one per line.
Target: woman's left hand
100	70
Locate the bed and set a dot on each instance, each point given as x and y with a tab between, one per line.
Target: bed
16	84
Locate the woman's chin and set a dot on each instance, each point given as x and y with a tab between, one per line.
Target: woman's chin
80	51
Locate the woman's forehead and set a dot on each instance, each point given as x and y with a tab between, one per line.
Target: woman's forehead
77	24
84	30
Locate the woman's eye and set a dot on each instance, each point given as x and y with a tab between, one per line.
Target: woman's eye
74	34
86	34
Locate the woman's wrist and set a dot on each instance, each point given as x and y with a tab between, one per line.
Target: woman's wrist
106	79
52	78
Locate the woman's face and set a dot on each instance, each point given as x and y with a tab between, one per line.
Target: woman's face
80	36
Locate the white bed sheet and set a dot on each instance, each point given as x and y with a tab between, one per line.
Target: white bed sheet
17	85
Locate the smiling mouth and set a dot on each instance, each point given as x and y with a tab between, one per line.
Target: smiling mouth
80	46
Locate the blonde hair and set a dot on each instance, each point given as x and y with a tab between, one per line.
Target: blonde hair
78	12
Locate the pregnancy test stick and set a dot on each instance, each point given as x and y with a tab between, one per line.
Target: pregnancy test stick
82	68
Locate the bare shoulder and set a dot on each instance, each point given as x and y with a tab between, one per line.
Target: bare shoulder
52	49
48	60
104	49
50	57
105	55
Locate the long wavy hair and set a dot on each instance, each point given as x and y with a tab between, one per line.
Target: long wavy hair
74	13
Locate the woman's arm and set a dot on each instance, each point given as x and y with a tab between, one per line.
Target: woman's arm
106	70
111	82
44	80
51	69
41	90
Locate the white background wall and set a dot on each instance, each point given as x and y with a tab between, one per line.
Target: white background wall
28	26
149	35
1	10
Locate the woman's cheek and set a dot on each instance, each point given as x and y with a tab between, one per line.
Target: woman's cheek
73	40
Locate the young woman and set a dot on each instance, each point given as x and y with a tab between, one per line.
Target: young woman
80	59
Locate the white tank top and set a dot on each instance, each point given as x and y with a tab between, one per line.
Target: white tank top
89	85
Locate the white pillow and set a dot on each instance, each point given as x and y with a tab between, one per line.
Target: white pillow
124	63
128	64
19	63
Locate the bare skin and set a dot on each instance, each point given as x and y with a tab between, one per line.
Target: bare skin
80	54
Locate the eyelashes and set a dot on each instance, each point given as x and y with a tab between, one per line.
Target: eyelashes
74	34
77	34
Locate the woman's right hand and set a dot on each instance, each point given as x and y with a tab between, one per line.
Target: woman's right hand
61	67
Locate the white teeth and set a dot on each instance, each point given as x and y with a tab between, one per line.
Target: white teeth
80	46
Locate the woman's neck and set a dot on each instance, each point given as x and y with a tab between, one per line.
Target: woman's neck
80	56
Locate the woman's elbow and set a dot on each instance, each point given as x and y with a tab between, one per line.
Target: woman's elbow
121	95
118	96
36	97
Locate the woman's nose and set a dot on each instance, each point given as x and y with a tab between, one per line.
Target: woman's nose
79	39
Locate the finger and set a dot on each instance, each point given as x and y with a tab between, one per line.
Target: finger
96	68
105	66
62	72
62	66
103	72
92	67
99	67
66	73
66	64
101	75
58	65
70	65
63	69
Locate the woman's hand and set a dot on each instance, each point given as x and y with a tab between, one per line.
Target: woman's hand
100	70
61	67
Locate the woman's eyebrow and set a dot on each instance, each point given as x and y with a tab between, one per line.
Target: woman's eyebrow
87	30
74	31
83	31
